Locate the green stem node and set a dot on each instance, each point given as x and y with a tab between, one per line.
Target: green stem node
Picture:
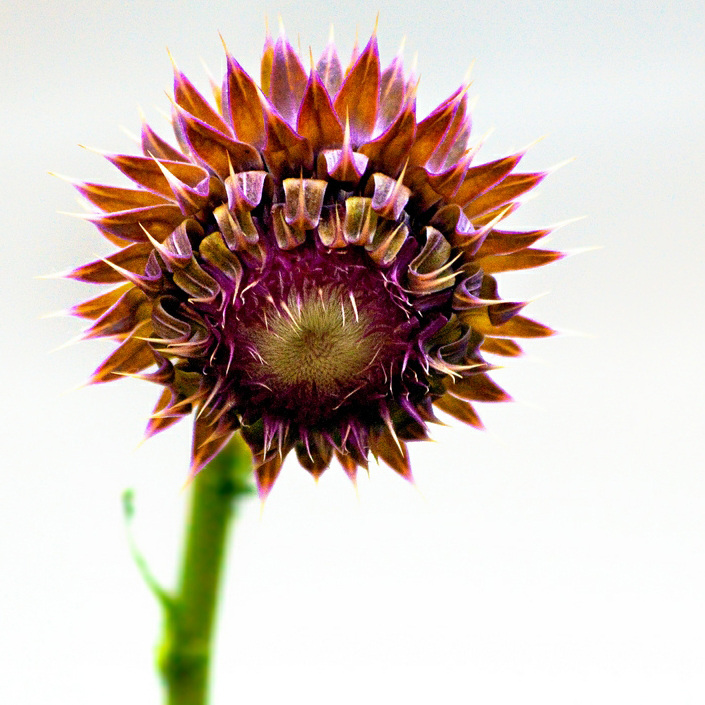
184	653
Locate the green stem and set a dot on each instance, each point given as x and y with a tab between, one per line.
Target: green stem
185	648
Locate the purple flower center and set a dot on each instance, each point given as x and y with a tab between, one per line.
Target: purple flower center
318	331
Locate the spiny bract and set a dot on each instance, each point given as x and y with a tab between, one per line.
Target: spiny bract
312	265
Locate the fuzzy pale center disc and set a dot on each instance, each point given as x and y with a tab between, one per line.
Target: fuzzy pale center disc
319	344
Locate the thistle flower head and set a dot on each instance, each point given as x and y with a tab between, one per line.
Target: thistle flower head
310	264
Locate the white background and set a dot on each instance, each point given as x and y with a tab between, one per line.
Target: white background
557	558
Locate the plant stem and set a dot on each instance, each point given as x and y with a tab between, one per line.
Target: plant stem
185	648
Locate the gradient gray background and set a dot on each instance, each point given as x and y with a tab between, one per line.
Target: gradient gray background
559	557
